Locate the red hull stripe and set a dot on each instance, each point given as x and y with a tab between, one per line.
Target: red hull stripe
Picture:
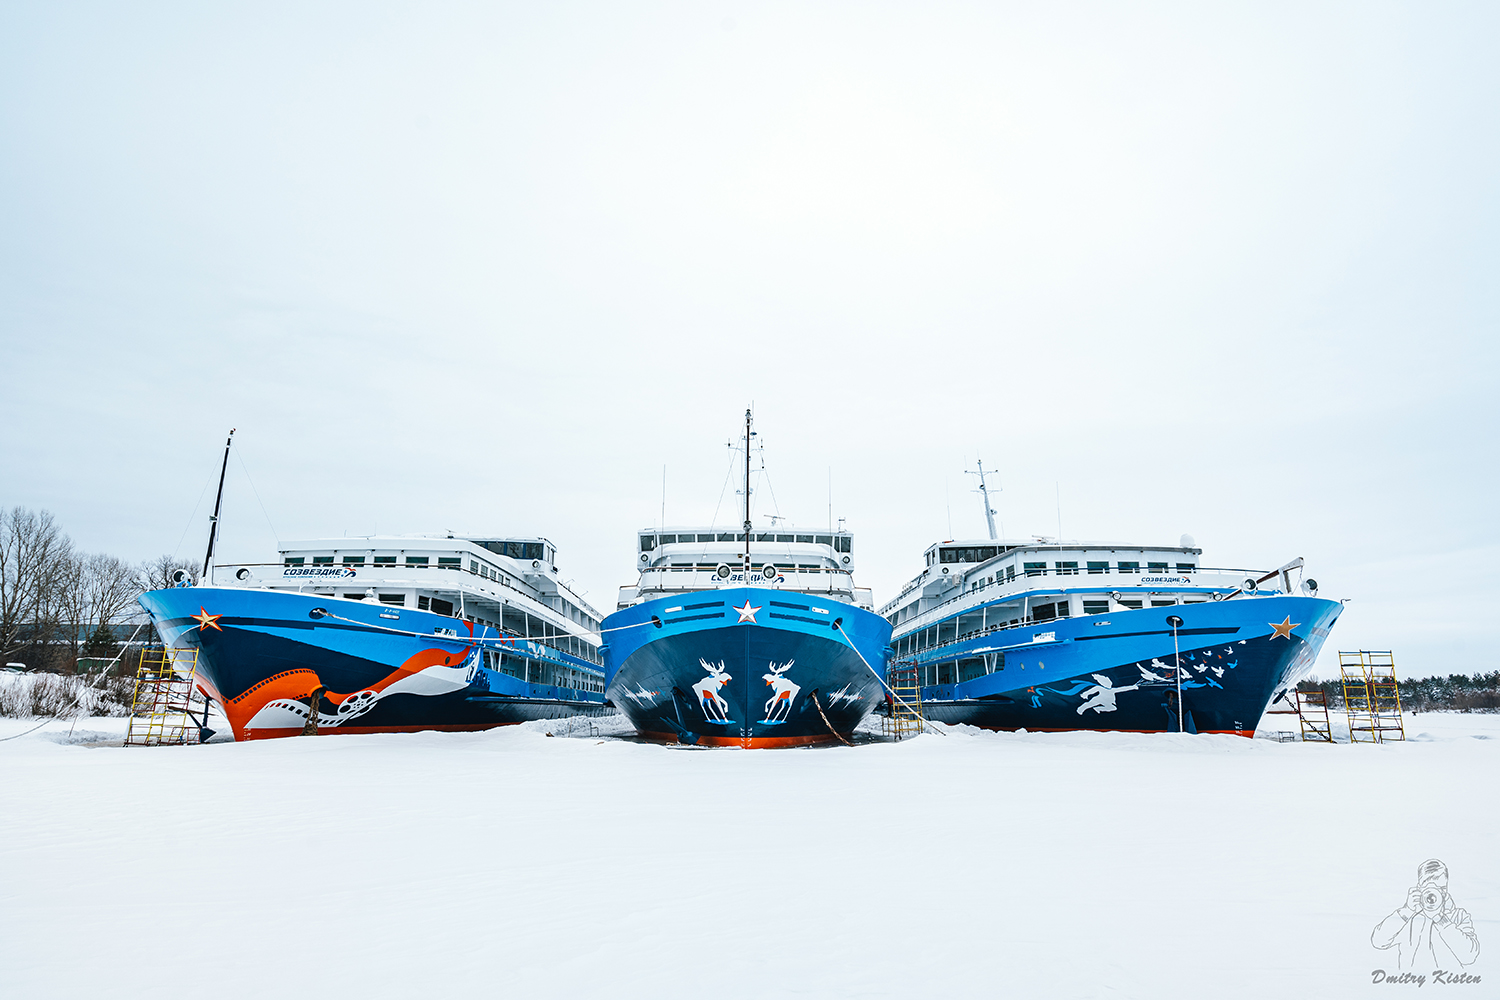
274	734
750	742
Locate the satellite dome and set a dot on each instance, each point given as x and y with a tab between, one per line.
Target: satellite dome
1187	541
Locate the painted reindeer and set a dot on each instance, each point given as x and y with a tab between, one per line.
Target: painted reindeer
715	708
783	693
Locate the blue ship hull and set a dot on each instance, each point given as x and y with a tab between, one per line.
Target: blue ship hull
702	670
1120	671
270	658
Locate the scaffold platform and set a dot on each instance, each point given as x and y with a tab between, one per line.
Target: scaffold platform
164	700
1372	698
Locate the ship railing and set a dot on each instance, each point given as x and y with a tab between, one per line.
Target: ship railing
1022	586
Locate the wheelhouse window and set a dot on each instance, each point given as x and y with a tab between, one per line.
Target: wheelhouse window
385	560
447	562
292	561
1185	567
725	536
705	538
322	560
1098	567
1036	568
1152	567
354	560
843	543
1128	567
824	539
1096	607
1066	568
416	560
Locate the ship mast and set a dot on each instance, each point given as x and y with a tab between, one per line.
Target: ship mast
989	513
748	435
213	522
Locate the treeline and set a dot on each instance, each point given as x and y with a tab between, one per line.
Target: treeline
1454	693
58	603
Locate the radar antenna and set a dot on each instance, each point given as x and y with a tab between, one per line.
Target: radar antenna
984	491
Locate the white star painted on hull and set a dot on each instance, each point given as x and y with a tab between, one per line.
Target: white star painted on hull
747	614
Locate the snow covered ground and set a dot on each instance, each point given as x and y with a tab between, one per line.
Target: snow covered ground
512	864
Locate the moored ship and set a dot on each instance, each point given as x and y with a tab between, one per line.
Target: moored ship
1051	635
745	638
388	634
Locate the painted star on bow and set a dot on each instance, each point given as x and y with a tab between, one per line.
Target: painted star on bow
747	614
206	620
1284	629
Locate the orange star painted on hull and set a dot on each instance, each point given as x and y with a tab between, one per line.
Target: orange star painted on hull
206	620
1284	629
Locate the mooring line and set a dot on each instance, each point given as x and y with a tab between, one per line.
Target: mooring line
839	628
835	732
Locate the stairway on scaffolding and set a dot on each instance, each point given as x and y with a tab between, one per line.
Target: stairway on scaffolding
1372	698
166	707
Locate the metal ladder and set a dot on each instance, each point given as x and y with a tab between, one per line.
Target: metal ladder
1312	714
905	717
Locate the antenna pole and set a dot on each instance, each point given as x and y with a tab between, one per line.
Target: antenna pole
984	491
747	496
213	522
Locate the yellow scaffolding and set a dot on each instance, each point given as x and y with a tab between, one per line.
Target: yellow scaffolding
163	700
1372	698
905	718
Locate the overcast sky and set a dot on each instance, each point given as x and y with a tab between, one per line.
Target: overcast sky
1227	270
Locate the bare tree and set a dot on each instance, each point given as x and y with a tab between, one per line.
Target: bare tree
156	574
34	560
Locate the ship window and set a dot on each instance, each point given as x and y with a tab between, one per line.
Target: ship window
424	603
1096	607
322	560
293	561
785	538
1036	568
1066	568
705	538
354	560
669	539
947	631
970	668
1185	567
970	623
355	597
843	543
1152	567
442	607
945	672
825	539
1162	604
1129	567
725	537
1044	612
805	538
1010	572
1098	567
648	542
765	538
416	560
1131	604
385	560
446	561
397	599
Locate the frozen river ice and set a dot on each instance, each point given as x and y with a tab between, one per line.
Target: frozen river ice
510	863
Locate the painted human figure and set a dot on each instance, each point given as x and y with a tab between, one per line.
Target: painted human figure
1429	930
1101	697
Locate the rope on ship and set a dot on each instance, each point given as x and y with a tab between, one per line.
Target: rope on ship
838	626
